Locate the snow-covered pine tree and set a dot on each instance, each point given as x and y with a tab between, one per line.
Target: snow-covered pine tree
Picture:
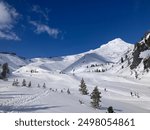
96	98
24	82
83	88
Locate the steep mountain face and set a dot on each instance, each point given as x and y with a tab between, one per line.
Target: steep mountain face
141	53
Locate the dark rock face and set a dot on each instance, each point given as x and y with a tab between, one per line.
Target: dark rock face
136	53
147	41
146	63
140	47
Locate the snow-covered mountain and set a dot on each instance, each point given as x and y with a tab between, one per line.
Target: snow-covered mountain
110	52
136	61
114	49
107	53
13	60
86	60
108	67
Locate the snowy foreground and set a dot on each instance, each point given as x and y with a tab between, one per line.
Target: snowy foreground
51	99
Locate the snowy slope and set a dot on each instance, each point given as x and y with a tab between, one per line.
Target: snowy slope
55	63
107	53
14	61
117	82
81	64
114	49
51	99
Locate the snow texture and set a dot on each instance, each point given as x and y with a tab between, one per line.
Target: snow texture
145	54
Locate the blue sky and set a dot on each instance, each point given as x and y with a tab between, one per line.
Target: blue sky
45	28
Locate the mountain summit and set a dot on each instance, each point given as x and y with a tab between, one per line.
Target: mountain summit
114	49
110	52
116	45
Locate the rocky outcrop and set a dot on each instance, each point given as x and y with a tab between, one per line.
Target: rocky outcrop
141	47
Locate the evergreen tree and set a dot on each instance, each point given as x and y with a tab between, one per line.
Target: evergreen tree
24	82
83	88
122	60
103	70
68	91
44	85
5	70
15	82
110	109
95	96
29	85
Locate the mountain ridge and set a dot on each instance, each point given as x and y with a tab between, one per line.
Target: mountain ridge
106	53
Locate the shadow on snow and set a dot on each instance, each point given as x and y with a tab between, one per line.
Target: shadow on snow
32	108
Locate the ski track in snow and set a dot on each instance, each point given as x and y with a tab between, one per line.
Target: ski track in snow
22	100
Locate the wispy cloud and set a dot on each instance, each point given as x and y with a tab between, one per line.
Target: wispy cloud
8	17
42	28
9	36
44	13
